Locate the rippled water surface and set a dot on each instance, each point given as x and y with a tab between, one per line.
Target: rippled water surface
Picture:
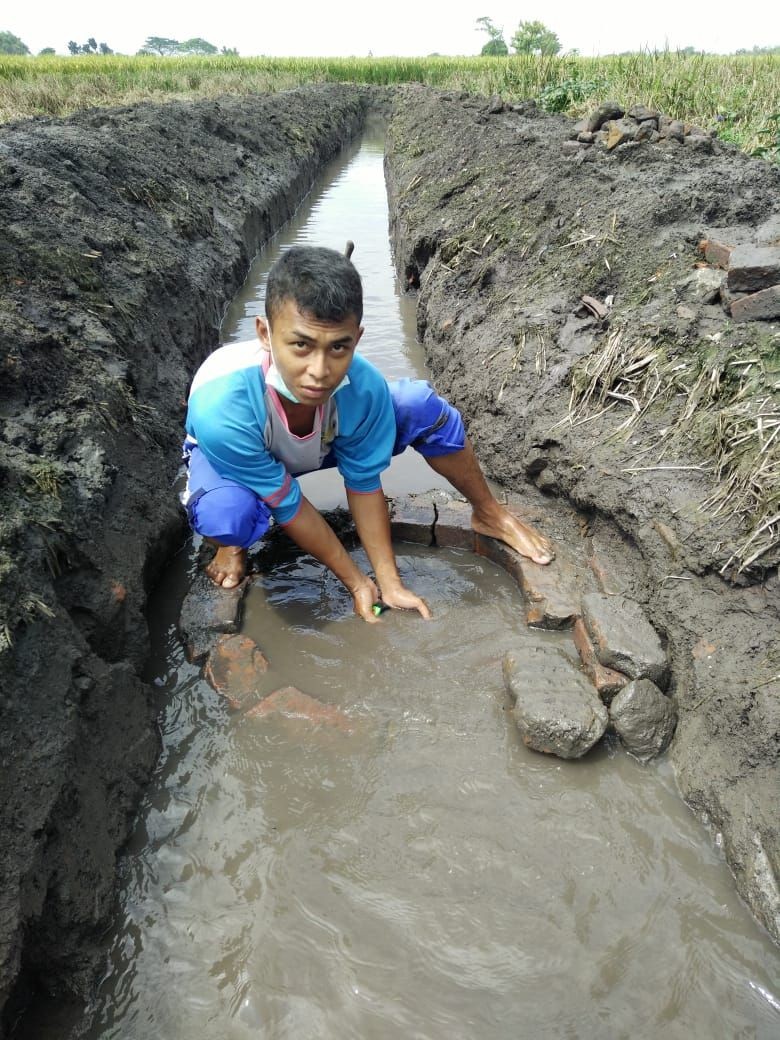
425	876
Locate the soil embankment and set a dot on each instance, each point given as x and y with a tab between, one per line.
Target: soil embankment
124	234
505	224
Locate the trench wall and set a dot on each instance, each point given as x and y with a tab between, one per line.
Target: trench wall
124	234
502	229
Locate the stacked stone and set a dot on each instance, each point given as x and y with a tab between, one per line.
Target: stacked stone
750	289
611	125
561	708
235	666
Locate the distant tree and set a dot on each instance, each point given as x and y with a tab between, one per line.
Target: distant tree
197	46
159	45
105	49
496	45
230	52
495	49
10	44
45	51
73	47
535	38
759	50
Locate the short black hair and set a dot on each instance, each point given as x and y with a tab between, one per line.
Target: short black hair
322	282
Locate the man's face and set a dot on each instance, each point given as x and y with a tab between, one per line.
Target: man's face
312	355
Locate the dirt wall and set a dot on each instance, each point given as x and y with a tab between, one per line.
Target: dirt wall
504	224
124	234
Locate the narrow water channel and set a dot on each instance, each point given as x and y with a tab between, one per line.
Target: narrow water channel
424	875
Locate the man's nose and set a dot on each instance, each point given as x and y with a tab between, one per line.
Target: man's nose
319	367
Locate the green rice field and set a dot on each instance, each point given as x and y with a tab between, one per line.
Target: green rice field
737	95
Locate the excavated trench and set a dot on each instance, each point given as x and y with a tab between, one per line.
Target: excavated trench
283	875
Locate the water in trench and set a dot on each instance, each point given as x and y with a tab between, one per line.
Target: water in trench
424	875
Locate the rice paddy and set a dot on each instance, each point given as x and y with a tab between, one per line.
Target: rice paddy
737	95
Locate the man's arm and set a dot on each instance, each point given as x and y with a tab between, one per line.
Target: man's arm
315	536
369	511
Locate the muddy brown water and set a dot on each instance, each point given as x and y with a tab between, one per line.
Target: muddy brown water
426	875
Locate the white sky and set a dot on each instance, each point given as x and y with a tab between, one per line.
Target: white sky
399	27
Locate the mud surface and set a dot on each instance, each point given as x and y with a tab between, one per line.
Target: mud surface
504	230
125	232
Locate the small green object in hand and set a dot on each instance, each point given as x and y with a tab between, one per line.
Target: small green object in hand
379	608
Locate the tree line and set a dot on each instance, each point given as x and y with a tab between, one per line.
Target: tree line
159	45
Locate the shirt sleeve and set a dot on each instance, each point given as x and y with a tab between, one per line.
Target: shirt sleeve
230	435
366	417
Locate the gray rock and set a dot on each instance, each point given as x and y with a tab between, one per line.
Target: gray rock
703	285
556	709
609	110
208	611
623	637
643	718
643	114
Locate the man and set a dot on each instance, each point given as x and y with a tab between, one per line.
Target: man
301	399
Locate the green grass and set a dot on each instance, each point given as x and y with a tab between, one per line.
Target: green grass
737	94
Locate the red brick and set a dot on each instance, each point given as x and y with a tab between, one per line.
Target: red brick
759	306
716	253
606	680
233	668
291	703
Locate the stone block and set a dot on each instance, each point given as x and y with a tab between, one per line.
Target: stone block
643	718
716	253
643	114
609	110
412	519
607	681
672	129
556	709
572	147
619	131
207	611
703	285
623	637
291	703
753	267
234	667
763	305
552	592
453	529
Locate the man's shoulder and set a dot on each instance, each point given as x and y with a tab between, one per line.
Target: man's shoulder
226	364
365	376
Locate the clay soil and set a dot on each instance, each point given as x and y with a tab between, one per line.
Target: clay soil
124	234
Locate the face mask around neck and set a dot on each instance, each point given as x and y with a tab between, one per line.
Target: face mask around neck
273	377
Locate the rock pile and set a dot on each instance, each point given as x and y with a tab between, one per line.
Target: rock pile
611	125
560	708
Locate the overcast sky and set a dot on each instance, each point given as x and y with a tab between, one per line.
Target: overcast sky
401	27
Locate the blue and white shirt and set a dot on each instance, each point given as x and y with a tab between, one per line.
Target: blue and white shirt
238	422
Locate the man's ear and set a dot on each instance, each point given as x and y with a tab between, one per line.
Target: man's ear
263	330
361	330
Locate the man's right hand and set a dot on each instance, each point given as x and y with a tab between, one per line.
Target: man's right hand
364	596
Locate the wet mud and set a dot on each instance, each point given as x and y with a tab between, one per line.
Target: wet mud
125	234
